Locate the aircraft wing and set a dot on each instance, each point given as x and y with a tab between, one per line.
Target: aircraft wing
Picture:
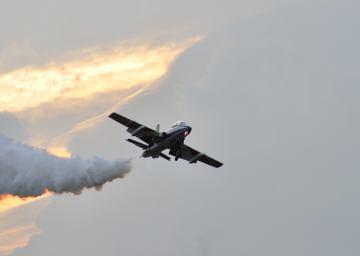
138	130
189	154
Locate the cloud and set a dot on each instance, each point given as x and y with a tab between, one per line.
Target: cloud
17	225
27	172
92	71
74	104
11	126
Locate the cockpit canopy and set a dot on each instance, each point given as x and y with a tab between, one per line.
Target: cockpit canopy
178	124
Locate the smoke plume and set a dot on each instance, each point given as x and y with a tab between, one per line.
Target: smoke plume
27	172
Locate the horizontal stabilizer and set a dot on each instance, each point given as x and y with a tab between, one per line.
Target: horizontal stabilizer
165	156
139	144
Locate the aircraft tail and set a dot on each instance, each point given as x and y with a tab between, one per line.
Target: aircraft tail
144	146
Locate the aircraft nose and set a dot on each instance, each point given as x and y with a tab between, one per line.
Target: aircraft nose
189	129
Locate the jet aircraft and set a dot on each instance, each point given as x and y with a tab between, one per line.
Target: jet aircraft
156	141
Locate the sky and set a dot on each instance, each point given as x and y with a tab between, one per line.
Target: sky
270	88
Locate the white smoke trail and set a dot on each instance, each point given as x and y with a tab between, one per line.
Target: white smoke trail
26	171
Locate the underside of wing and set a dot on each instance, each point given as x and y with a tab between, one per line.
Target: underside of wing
189	154
140	131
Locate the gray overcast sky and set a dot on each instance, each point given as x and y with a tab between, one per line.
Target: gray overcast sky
272	91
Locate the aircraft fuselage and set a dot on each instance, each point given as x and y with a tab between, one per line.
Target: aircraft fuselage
171	139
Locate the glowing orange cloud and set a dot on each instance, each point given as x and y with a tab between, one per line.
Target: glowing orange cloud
59	151
19	234
8	202
17	237
93	72
16	221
